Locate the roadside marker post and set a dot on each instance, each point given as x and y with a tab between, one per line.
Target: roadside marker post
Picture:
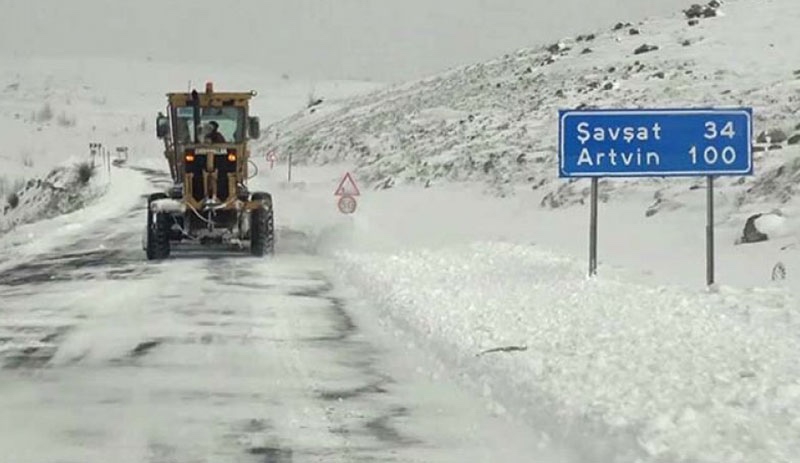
601	143
289	175
95	149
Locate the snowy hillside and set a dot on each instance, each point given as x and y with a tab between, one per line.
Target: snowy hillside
50	112
496	121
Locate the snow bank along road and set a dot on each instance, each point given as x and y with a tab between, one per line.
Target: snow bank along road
216	358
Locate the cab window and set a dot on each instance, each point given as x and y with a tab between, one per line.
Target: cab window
229	118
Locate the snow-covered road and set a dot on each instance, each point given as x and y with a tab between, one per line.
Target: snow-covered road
216	358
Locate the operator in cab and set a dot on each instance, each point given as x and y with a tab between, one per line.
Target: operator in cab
213	136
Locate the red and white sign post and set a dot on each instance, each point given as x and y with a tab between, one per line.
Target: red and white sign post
347	191
271	157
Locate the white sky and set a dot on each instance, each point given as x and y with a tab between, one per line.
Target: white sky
322	39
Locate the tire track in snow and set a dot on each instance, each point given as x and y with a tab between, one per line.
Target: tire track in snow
358	357
204	357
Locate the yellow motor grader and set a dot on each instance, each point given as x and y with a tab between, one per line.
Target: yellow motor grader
205	139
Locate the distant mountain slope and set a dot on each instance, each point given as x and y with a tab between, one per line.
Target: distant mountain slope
496	122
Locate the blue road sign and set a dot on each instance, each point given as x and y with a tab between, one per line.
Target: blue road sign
655	143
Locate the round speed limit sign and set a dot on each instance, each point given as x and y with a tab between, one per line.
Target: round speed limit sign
347	204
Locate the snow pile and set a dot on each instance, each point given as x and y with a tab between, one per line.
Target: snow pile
113	194
496	122
63	190
669	373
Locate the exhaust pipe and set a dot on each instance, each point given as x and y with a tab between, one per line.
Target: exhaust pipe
196	111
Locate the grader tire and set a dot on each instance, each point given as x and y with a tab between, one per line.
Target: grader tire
158	230
262	232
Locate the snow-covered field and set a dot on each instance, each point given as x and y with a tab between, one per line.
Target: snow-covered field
467	247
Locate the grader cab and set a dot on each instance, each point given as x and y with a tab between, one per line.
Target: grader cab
205	144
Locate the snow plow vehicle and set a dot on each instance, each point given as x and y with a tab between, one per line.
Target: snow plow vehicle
206	145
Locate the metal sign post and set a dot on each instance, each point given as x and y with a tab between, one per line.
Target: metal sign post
710	232
593	231
655	143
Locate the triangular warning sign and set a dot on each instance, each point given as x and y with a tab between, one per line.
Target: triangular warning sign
347	187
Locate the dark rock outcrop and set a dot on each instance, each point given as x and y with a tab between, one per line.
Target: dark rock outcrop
702	11
751	233
645	49
772	136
